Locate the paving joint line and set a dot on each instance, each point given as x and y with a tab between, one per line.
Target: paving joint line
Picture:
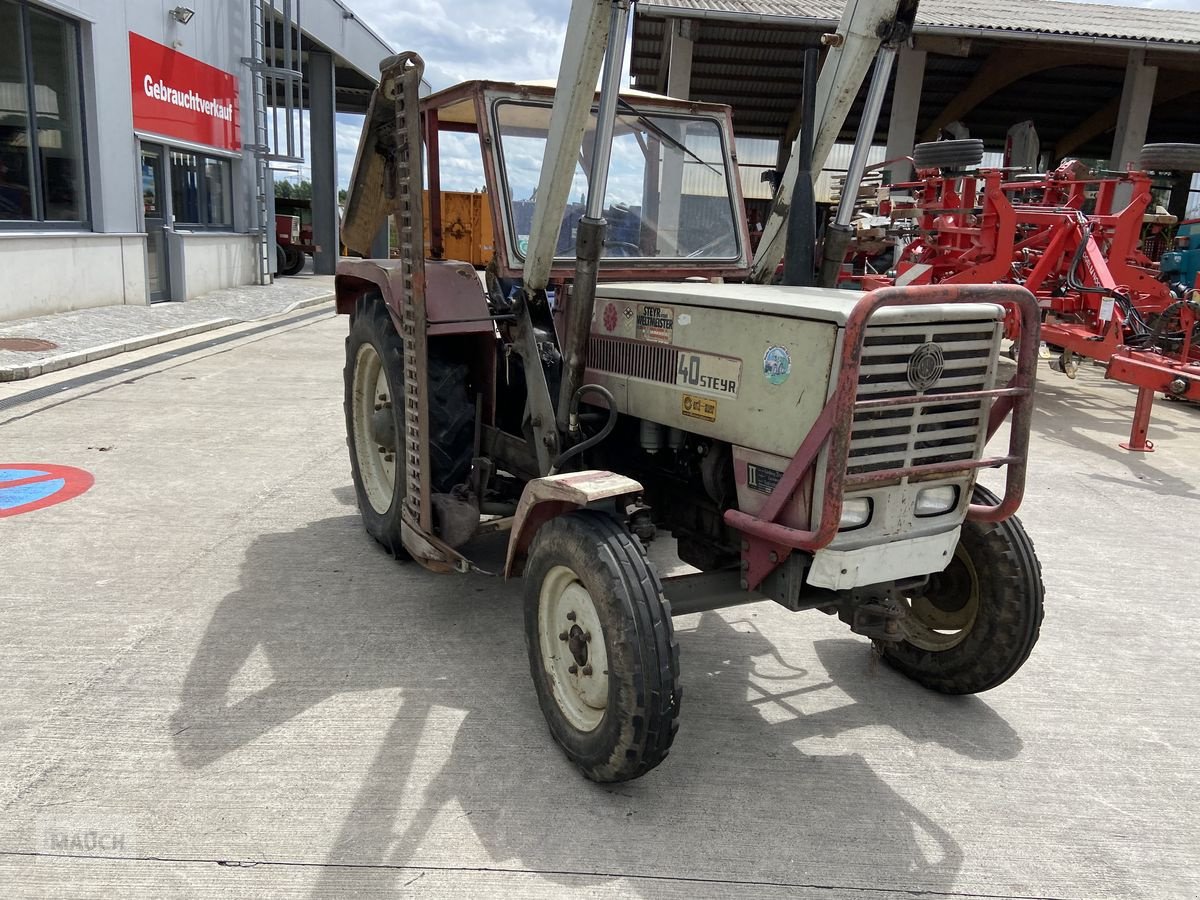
401	867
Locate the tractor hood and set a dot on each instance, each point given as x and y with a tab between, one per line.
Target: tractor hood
815	304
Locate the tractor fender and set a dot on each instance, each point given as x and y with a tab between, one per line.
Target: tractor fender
553	495
454	298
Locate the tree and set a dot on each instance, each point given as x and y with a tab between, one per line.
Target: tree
299	191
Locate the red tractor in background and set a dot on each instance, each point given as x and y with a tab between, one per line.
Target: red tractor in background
293	233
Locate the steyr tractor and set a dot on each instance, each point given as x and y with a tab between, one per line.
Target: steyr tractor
613	374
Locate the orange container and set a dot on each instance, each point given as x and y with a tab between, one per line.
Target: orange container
466	227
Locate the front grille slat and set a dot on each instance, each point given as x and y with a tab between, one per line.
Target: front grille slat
909	436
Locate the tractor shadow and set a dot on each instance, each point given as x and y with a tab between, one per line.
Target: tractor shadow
466	776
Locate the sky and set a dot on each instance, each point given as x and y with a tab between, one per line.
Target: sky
513	40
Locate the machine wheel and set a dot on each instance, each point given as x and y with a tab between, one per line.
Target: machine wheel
601	645
948	154
374	378
291	260
1170	158
977	622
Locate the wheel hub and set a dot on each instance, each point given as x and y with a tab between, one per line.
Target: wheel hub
577	643
383	426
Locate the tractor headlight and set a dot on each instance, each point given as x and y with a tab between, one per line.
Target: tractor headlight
856	512
936	501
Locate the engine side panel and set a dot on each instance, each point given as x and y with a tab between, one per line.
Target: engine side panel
741	377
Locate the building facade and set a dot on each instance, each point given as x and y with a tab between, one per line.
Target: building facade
128	162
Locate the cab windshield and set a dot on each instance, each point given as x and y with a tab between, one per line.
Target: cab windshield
669	190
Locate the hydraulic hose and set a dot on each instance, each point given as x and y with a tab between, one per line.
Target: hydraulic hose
595	439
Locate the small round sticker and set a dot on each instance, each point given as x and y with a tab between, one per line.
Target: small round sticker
777	365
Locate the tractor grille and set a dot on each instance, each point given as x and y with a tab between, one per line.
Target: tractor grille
653	362
908	436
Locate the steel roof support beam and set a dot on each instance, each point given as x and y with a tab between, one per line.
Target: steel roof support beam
906	106
323	147
1105	118
1133	119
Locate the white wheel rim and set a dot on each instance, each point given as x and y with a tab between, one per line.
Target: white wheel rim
376	465
570	638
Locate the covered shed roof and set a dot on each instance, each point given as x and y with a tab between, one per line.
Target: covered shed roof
989	65
1094	21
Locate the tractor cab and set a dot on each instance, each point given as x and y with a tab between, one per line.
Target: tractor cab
673	202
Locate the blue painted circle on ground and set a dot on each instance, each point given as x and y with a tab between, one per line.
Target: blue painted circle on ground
28	493
19	474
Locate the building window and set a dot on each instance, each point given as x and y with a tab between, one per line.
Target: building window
42	173
201	191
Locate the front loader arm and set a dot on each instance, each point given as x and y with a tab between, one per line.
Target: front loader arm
865	26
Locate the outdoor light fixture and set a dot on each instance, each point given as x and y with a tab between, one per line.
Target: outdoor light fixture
182	14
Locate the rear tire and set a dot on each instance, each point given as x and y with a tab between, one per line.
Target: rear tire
374	379
963	154
978	622
616	715
292	261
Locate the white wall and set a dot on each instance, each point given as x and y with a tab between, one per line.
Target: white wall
213	260
46	272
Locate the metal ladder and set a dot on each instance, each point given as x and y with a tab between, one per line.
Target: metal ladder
271	143
262	181
400	82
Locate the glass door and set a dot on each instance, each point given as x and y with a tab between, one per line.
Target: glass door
155	216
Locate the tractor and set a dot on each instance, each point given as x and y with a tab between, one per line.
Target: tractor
613	375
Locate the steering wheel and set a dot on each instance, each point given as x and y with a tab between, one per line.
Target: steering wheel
719	239
631	249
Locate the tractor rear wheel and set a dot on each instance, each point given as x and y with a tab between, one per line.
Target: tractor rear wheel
962	154
292	261
975	624
374	379
602	648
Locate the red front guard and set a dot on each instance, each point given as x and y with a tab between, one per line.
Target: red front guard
767	543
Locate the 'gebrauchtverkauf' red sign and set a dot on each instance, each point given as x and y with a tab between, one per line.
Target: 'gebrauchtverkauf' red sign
177	96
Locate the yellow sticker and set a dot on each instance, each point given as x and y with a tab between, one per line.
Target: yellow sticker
699	407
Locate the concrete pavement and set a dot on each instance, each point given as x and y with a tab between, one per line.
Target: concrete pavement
213	683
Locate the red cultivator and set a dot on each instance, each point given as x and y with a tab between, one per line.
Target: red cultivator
1071	240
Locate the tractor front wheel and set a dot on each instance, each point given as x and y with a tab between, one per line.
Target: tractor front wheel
602	649
975	624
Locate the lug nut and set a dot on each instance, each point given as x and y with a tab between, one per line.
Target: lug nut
587	670
562	635
570	617
573	669
1177	386
587	636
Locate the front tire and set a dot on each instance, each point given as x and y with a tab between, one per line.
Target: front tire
602	649
977	622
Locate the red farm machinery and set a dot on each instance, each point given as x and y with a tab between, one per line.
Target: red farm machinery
1071	237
